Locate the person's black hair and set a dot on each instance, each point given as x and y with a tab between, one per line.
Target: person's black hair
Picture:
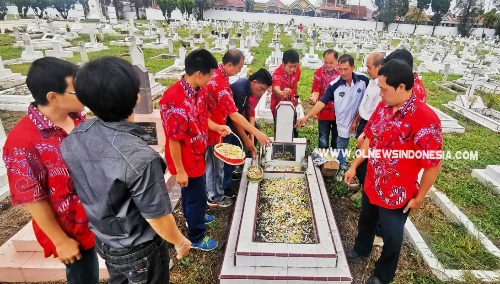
47	75
262	76
397	72
108	86
331	50
346	58
401	54
290	56
200	60
233	56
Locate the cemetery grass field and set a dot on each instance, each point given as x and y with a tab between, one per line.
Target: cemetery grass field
452	245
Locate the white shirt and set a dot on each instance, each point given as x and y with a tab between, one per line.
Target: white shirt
370	100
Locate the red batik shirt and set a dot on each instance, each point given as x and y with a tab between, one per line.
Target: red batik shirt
283	80
36	171
185	119
321	81
220	102
251	105
391	182
418	88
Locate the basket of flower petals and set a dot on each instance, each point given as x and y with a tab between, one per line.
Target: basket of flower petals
229	153
255	173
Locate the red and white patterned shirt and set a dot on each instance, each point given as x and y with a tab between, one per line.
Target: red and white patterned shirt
419	88
185	119
283	80
321	81
391	182
220	102
37	171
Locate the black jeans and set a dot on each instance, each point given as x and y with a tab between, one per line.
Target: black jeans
194	205
393	222
362	168
145	263
325	128
85	270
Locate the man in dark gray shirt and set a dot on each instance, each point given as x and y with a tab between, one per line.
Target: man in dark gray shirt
120	179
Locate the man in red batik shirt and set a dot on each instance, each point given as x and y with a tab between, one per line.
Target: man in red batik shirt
38	176
400	122
186	122
326	117
220	104
285	79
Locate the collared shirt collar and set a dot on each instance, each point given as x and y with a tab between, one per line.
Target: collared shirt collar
188	90
354	79
403	110
329	73
223	71
43	123
125	126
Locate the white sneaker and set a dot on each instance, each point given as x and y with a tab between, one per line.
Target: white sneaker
378	241
170	264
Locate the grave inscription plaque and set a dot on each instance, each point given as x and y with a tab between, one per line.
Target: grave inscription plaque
150	128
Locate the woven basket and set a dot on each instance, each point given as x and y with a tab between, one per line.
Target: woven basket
254	179
227	160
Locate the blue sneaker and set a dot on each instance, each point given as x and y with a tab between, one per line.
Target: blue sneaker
207	244
208	219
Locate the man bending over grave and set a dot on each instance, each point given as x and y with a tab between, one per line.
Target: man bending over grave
220	105
405	55
285	80
391	189
186	122
38	176
246	94
119	178
326	117
346	92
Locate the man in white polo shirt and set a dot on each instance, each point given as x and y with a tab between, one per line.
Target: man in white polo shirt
370	101
346	91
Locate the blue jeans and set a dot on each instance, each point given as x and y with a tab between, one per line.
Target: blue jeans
145	263
194	205
342	144
325	127
215	175
85	270
229	169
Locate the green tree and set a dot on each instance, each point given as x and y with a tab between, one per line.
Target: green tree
378	5
199	7
388	12
440	9
139	4
63	6
490	18
249	4
39	6
167	6
470	12
22	6
402	9
3	9
422	5
186	6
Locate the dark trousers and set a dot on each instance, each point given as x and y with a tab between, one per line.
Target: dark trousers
194	205
361	169
325	128
392	222
229	169
85	270
145	263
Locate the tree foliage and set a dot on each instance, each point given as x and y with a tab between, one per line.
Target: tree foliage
186	6
63	6
470	12
402	7
415	16
3	9
199	7
490	18
167	7
422	6
249	4
387	12
39	6
440	9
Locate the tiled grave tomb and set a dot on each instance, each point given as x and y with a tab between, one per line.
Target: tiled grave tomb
283	229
